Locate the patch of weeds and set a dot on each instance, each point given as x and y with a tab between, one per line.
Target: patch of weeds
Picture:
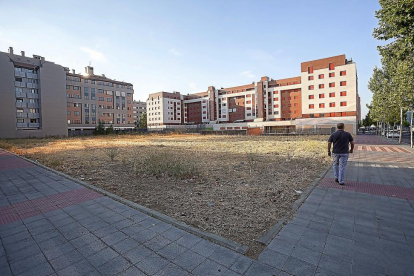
112	153
168	164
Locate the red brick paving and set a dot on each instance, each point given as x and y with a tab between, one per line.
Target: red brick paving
42	205
370	188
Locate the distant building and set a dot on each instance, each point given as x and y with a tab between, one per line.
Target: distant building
324	94
139	108
39	98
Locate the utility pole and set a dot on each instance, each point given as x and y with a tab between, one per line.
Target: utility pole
401	125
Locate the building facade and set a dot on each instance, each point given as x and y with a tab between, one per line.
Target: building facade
325	93
39	98
139	108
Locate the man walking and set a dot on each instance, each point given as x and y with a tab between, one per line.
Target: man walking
341	140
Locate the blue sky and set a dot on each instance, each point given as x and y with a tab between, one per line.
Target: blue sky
187	46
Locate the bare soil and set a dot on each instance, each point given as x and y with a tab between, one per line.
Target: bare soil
237	186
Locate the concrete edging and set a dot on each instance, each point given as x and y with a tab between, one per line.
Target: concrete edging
242	249
267	237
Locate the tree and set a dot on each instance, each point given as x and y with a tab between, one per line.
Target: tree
110	130
100	128
142	123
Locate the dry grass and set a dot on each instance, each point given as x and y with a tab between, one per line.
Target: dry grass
233	186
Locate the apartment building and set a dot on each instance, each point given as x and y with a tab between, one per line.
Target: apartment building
139	108
32	97
325	93
39	98
91	98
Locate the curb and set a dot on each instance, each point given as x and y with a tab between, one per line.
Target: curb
267	237
239	248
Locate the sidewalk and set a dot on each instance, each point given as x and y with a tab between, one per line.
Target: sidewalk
363	228
50	225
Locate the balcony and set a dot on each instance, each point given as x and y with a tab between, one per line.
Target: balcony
33	115
20	95
22	125
34	125
32	95
33	105
19	74
19	84
31	76
21	115
21	105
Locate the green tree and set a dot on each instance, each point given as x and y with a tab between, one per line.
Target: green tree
110	130
142	123
100	128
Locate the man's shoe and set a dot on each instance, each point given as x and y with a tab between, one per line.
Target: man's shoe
336	180
342	184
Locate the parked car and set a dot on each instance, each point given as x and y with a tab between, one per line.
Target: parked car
393	134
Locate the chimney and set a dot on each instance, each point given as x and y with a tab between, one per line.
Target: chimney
89	70
22	53
73	71
11	50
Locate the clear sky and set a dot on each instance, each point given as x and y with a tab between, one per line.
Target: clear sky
186	46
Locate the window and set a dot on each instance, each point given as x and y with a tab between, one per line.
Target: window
20	121
76	113
85	81
321	105
311	97
332	84
92	82
321	96
343	93
321	86
310	78
248	102
331	66
332	94
310	70
67	86
19	110
101	98
76	104
331	75
342	83
100	83
276	99
310	87
276	106
100	91
76	88
342	73
68	112
321	76
109	100
311	106
331	104
343	103
295	104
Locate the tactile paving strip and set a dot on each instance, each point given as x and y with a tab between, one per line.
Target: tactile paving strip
370	188
42	205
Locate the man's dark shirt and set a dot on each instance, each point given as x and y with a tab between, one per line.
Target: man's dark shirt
340	140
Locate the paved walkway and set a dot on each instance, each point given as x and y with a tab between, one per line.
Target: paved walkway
50	225
364	228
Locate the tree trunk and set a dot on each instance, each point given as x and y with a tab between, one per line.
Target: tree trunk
401	126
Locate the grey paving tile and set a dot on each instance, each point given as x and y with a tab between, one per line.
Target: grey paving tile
66	260
172	251
323	272
122	224
152	264
125	245
16	238
52	242
132	271
5	271
114	238
83	267
114	266
335	265
273	258
22	254
19	245
298	267
28	263
58	250
208	267
173	234
138	254
172	270
102	257
359	267
224	257
92	248
157	242
39	269
242	264
281	246
188	240
313	243
144	236
261	269
306	255
84	239
205	248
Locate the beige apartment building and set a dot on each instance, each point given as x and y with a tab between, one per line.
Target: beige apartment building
139	108
325	93
39	98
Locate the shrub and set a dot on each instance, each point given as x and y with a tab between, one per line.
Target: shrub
112	153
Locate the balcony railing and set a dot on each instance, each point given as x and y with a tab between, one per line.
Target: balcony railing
21	105
21	125
32	95
20	95
33	105
33	115
34	125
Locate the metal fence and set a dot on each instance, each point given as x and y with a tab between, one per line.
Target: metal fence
293	132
